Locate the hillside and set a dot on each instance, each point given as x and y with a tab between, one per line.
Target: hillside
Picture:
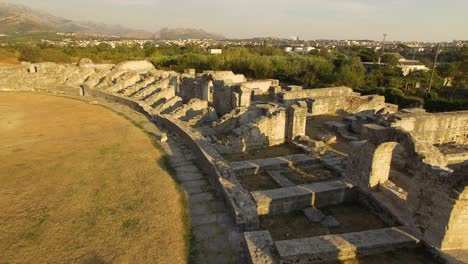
186	33
21	19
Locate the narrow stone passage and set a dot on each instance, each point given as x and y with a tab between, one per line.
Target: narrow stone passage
216	239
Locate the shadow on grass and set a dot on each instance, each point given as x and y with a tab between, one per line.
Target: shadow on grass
94	258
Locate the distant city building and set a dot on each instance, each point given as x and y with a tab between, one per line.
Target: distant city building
299	49
408	66
216	51
288	49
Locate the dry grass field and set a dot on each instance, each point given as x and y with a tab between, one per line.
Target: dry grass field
81	184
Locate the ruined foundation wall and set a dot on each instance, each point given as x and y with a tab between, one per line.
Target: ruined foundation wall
435	206
235	119
194	87
348	104
435	128
291	97
227	97
260	86
266	131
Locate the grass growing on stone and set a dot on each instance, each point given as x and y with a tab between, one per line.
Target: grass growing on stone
353	217
81	184
257	182
264	153
304	176
291	226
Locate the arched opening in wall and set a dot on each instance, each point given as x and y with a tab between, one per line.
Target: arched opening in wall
391	172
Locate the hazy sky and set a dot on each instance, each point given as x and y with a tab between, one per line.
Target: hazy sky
425	20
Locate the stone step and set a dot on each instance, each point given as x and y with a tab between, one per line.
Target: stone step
129	91
143	93
189	176
207	208
202	197
285	200
344	246
204	219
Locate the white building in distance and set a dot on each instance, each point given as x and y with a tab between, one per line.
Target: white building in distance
215	51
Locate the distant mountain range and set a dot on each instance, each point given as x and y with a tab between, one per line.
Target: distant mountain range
21	19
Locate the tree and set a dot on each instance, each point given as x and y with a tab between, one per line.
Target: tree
350	73
447	71
390	59
369	55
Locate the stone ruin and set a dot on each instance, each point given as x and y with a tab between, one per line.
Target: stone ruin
407	166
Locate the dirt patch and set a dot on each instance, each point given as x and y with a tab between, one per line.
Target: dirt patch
309	175
353	217
257	182
264	153
81	184
291	226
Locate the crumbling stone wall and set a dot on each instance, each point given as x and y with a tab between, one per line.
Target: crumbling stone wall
235	119
199	86
259	87
437	128
293	96
348	104
227	97
435	206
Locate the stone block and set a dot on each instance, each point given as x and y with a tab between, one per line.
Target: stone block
330	221
313	214
260	247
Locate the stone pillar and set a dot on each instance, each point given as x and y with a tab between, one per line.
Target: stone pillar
296	120
369	166
245	96
273	92
209	91
381	162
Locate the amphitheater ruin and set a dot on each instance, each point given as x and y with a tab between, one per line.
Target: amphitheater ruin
307	175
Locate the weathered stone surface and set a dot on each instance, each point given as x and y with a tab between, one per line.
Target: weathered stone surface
313	214
284	200
260	247
344	246
330	221
136	66
253	166
291	97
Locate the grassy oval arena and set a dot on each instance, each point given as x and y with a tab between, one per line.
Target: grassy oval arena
81	184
